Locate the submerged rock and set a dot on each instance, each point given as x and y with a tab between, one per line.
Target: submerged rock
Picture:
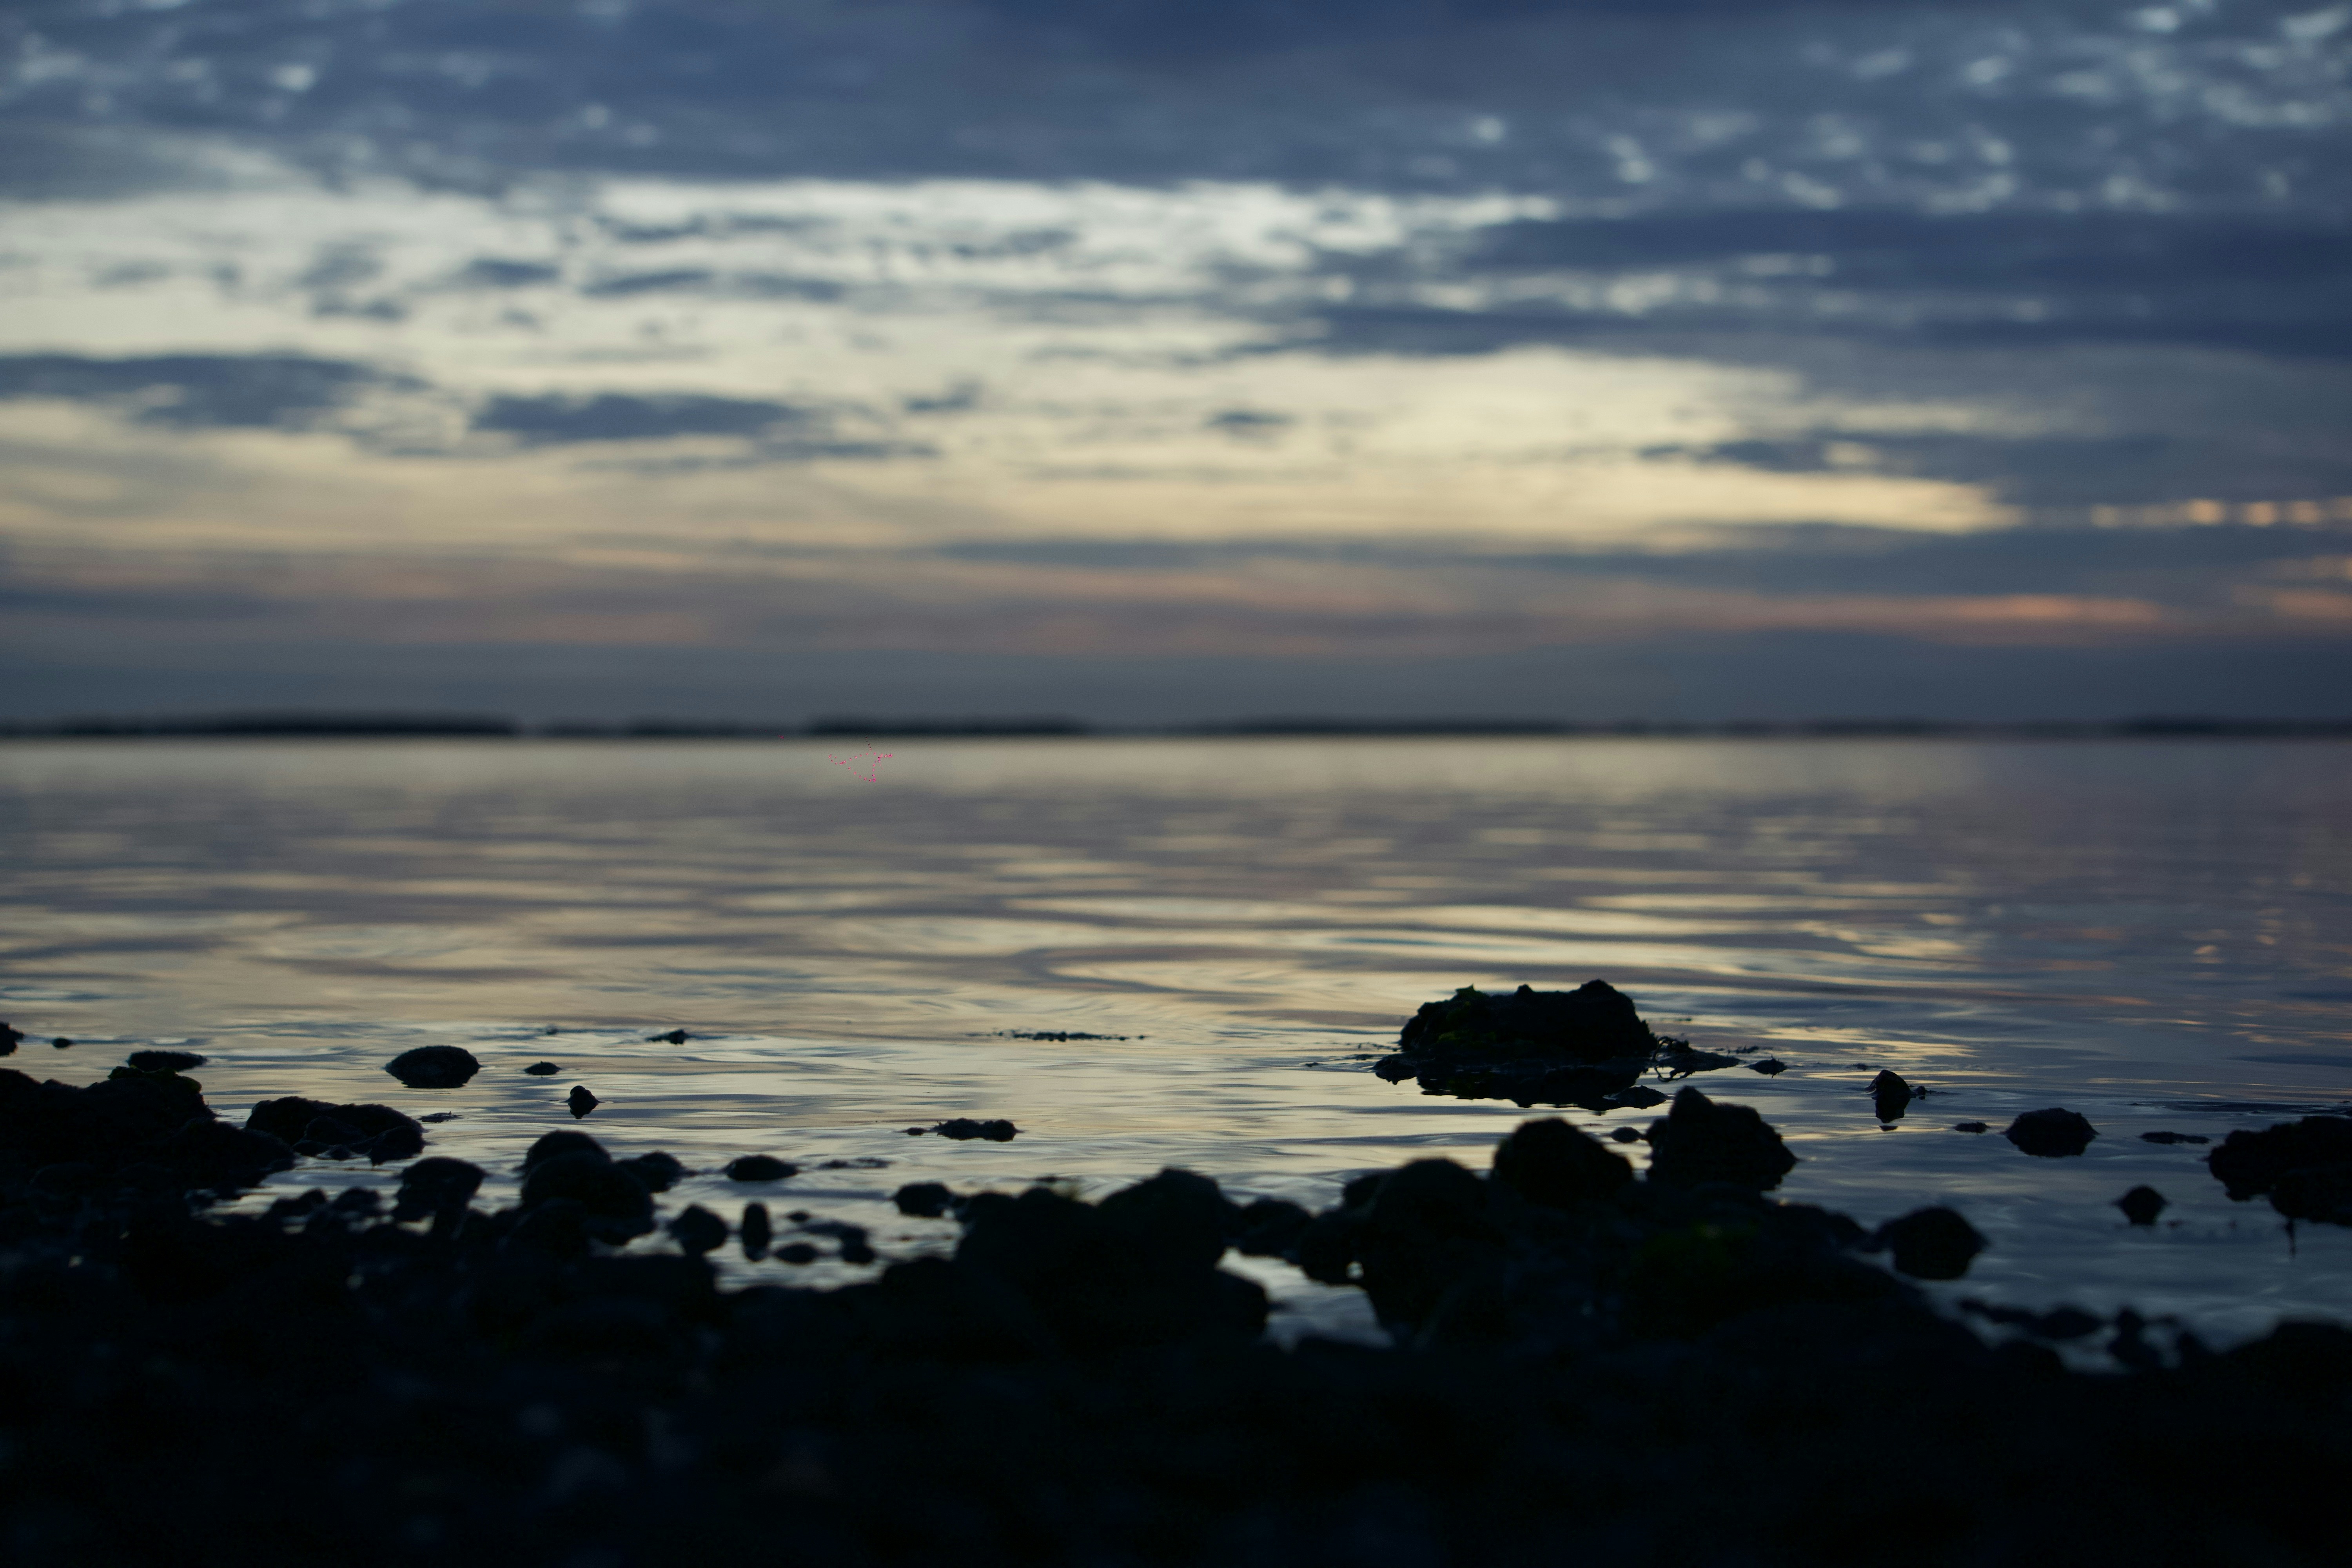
542	1069
2174	1138
433	1066
2051	1134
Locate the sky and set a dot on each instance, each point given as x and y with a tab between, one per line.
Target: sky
1160	361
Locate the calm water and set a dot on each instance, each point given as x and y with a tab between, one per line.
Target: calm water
2158	935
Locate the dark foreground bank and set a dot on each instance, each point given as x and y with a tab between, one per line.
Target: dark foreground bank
1670	1368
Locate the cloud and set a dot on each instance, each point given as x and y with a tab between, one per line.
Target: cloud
557	418
498	272
199	391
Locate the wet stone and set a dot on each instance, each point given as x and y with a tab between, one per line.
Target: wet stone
923	1200
430	1187
1931	1244
1549	1161
697	1230
2174	1138
1768	1065
2141	1205
433	1066
963	1129
659	1172
1890	1095
674	1037
2051	1134
1702	1140
163	1061
1970	1127
797	1252
542	1069
755	1231
760	1168
580	1103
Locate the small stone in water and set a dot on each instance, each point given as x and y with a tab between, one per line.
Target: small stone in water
164	1061
760	1168
756	1231
924	1200
542	1069
1768	1065
1627	1135
674	1037
1970	1127
2174	1138
2141	1205
798	1252
698	1231
2052	1135
963	1129
61	1042
433	1066
580	1101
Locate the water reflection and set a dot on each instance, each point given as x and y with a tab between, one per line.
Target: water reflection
2153	935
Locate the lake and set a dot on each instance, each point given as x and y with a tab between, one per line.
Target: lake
2157	934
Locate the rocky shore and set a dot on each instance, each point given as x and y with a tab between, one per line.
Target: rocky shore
1662	1367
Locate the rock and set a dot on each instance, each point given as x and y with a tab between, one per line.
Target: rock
61	1042
1890	1095
433	1066
798	1252
963	1129
1551	1162
2141	1205
1931	1244
923	1200
1641	1097
674	1037
1626	1135
430	1188
760	1168
1596	1022
755	1231
1970	1127
1679	1060
697	1230
542	1069
580	1103
164	1061
9	1040
377	1132
2174	1138
614	1205
659	1172
565	1140
855	1248
1268	1227
2305	1166
2051	1134
1768	1065
1701	1141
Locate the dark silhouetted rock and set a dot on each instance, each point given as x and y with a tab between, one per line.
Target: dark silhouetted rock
209	1153
697	1230
755	1231
1551	1047
1268	1227
9	1040
377	1133
2141	1205
963	1129
2305	1166
613	1204
2174	1138
432	1187
580	1103
1625	1135
1970	1127
760	1168
164	1061
542	1069
1702	1140
2051	1133
923	1200
797	1252
1890	1095
433	1066
658	1171
1549	1161
674	1037
61	1042
1931	1244
1768	1065
564	1140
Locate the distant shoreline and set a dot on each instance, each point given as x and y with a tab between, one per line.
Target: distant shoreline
448	726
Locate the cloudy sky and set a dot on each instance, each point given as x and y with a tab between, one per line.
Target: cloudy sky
1160	360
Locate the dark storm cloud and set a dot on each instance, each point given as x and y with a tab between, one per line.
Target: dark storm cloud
197	391
622	416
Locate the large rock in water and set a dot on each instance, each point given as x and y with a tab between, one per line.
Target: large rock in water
433	1066
1530	1046
1701	1141
2305	1166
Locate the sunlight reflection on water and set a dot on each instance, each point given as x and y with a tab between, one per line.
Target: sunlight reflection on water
2151	933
